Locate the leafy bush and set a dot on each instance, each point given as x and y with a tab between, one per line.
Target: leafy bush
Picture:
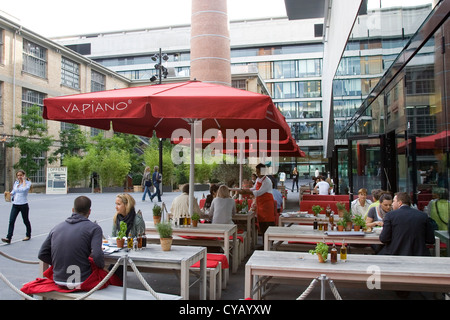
321	248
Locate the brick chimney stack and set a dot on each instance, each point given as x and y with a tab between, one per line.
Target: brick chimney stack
210	42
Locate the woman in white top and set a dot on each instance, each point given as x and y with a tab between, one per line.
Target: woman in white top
223	207
19	196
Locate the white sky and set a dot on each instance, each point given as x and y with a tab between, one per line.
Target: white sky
51	18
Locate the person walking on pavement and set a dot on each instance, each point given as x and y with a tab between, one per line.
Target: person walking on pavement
294	179
156	179
147	183
19	196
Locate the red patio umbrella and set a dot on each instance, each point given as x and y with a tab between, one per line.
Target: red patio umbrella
169	108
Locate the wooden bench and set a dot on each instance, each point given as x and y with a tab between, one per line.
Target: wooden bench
204	243
108	293
214	271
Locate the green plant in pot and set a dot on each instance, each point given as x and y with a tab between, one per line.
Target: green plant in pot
347	217
157	210
316	209
165	235
359	222
195	217
121	234
340	208
321	250
341	225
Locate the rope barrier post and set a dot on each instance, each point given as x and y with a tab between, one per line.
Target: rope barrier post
323	277
125	263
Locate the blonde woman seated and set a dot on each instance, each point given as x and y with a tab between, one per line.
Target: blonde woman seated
126	212
223	207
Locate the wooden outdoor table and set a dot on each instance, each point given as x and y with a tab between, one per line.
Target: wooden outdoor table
222	232
178	258
390	272
297	218
307	234
249	220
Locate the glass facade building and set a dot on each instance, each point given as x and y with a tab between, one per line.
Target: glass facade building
391	110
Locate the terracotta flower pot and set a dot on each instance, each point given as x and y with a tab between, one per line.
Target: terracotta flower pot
321	259
348	227
156	219
120	242
166	244
356	228
194	223
340	228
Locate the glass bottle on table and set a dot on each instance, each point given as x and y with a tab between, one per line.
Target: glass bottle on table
343	252
139	240
188	220
181	221
130	241
144	241
315	224
333	254
328	211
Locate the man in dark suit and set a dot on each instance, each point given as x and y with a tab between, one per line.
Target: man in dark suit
406	231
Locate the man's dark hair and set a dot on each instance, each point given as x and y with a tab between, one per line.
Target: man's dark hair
185	188
82	205
404	198
261	165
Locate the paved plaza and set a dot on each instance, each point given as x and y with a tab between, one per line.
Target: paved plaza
48	210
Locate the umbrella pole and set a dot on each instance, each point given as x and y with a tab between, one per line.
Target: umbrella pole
241	156
192	170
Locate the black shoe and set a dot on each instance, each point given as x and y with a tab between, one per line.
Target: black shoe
6	240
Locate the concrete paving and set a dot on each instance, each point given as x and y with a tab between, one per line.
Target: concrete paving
48	210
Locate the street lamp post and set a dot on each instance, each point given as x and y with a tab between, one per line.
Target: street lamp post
162	71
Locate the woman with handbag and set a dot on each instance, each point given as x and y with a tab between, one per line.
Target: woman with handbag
147	183
19	199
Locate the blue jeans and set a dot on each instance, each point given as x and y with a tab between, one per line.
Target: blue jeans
294	182
24	210
147	190
157	193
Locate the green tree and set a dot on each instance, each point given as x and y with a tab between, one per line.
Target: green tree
73	142
110	159
229	173
33	141
76	172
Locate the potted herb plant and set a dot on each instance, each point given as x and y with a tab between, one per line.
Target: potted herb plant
195	217
156	214
121	234
359	222
340	208
316	209
347	217
341	225
165	235
321	250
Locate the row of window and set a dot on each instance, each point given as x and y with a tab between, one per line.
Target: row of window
235	53
35	63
